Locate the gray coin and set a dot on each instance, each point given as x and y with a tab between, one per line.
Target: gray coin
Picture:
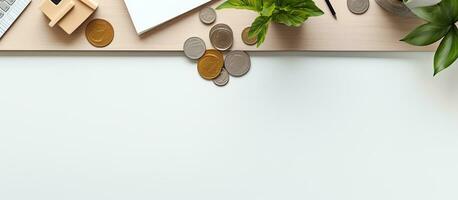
222	79
358	6
220	26
194	48
207	15
237	63
221	37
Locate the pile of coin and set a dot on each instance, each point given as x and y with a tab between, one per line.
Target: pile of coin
221	37
211	64
99	33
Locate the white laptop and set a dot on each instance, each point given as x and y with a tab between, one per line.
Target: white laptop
147	14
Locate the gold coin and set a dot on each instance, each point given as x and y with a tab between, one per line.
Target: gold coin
210	65
216	53
246	39
99	33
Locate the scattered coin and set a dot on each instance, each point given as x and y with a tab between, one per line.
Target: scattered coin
207	15
194	48
358	6
246	39
237	63
222	79
221	37
211	64
99	33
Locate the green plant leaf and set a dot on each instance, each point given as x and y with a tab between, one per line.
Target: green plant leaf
445	13
447	53
295	12
292	18
288	12
262	35
268	10
255	5
426	34
450	10
259	29
306	6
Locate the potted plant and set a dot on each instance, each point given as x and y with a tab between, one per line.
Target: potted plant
396	7
419	3
288	12
441	19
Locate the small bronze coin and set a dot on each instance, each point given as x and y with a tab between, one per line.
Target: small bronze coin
210	65
246	39
99	33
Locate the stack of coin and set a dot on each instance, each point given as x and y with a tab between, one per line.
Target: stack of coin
221	37
211	64
236	63
99	33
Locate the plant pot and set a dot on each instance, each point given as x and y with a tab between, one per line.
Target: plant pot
398	7
420	3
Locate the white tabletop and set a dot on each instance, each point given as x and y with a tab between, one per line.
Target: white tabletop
347	126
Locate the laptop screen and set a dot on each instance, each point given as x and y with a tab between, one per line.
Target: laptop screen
147	14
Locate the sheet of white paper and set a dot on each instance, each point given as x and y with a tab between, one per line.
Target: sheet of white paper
147	14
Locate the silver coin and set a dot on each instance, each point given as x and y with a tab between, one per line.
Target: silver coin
220	26
237	63
194	48
222	40
358	6
207	15
222	79
221	37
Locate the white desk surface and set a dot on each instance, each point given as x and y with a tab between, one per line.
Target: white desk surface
347	126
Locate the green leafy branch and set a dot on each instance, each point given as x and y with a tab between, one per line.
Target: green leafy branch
441	20
288	12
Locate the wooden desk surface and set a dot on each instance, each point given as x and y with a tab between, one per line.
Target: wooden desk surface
376	30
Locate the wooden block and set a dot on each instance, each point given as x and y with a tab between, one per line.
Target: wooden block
68	14
376	30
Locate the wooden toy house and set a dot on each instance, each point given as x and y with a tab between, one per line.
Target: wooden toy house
68	14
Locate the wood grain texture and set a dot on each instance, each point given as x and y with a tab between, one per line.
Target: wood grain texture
376	30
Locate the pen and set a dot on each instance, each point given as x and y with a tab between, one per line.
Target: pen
331	8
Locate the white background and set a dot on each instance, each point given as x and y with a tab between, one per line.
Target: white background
321	126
